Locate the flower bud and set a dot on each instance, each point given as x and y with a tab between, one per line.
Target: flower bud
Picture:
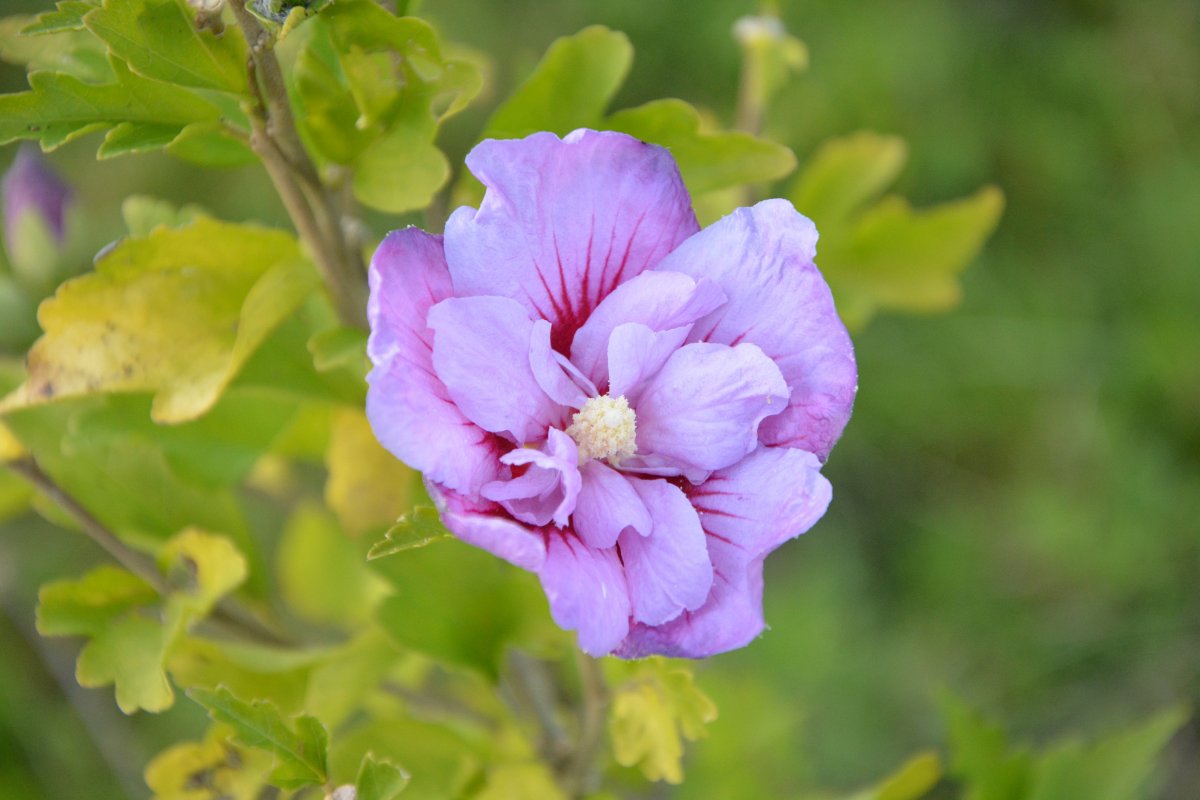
36	201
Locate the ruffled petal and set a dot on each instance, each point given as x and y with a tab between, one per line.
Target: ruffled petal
565	221
587	592
409	408
607	505
481	349
702	410
553	372
636	353
660	300
483	527
548	489
746	511
669	570
762	257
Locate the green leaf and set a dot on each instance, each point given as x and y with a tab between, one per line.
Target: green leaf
374	88
401	170
1120	766
124	481
67	48
981	757
652	714
160	39
177	313
436	611
217	450
141	112
887	255
379	779
300	753
708	160
67	16
847	173
420	528
127	642
322	573
570	87
897	257
338	347
128	652
142	214
85	606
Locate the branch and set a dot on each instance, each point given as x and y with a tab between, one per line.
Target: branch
316	212
580	774
228	616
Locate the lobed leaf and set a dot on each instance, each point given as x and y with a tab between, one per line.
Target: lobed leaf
129	653
651	716
300	753
884	254
177	313
160	39
66	16
140	113
708	160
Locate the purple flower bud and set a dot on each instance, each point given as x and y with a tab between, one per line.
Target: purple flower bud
32	186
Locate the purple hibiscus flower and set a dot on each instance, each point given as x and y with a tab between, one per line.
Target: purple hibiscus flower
600	392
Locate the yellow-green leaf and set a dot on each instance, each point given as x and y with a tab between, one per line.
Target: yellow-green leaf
913	780
651	716
85	606
129	653
570	87
208	768
900	258
368	487
883	254
201	568
401	170
322	573
708	160
176	313
846	173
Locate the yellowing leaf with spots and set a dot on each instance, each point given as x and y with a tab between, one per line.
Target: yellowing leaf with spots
176	313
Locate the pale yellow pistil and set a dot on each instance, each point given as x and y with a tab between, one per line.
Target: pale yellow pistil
605	427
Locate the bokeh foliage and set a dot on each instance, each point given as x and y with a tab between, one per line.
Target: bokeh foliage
1001	602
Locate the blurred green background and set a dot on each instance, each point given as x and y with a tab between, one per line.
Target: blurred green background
1017	499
